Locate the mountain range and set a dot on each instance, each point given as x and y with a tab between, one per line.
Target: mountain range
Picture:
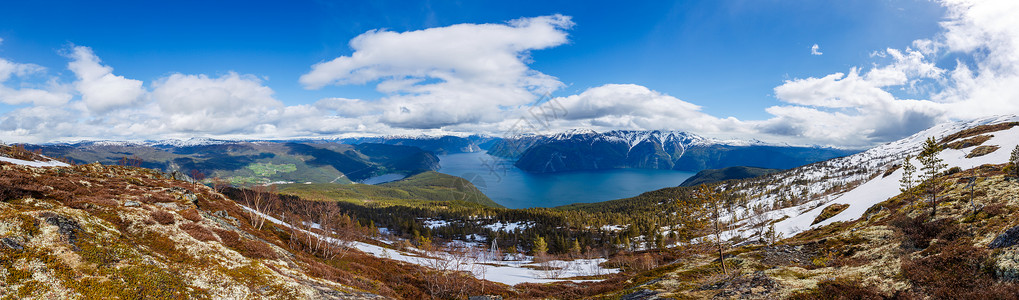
846	227
244	162
576	150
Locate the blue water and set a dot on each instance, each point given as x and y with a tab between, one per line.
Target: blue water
514	188
383	178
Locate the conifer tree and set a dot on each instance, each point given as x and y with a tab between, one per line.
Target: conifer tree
1015	161
907	181
540	247
575	248
932	167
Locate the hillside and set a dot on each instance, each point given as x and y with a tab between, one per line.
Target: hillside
968	251
837	227
247	163
420	188
588	150
93	231
723	174
843	227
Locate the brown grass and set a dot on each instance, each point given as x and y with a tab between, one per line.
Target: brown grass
830	211
162	216
229	238
982	150
982	129
258	249
970	142
198	232
192	215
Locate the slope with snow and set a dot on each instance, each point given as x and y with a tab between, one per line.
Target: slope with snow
857	180
483	265
36	160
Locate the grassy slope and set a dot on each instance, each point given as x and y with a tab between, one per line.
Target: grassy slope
411	191
716	175
93	231
893	251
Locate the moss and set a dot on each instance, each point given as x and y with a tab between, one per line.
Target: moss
30	288
101	255
28	224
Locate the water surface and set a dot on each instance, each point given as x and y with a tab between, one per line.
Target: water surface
514	188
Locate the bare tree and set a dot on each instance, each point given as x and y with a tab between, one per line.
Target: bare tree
218	184
262	201
197	177
447	268
711	197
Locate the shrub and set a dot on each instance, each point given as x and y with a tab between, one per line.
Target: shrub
163	217
917	233
956	271
229	238
192	215
198	232
841	288
258	249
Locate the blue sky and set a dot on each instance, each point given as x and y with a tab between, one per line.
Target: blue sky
727	58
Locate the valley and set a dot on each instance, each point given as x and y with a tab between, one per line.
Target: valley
828	228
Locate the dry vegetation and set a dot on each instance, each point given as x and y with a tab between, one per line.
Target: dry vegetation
94	231
894	251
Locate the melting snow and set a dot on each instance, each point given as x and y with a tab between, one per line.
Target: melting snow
34	163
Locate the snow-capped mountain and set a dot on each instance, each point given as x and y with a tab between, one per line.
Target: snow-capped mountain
796	197
585	149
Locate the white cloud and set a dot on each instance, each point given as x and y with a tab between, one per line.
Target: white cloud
100	89
476	78
815	50
465	73
200	104
630	106
48	94
861	108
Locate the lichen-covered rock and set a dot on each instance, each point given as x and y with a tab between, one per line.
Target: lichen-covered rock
1007	265
12	243
1007	239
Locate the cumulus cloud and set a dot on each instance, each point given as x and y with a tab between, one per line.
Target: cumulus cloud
100	89
477	78
630	106
464	73
815	50
867	106
229	103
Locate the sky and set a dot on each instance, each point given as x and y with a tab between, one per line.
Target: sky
835	73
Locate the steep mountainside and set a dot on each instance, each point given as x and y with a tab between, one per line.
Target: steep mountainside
588	150
254	162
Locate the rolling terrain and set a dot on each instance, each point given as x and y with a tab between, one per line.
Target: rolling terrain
844	227
248	163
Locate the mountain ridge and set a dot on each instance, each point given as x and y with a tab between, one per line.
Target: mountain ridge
584	149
